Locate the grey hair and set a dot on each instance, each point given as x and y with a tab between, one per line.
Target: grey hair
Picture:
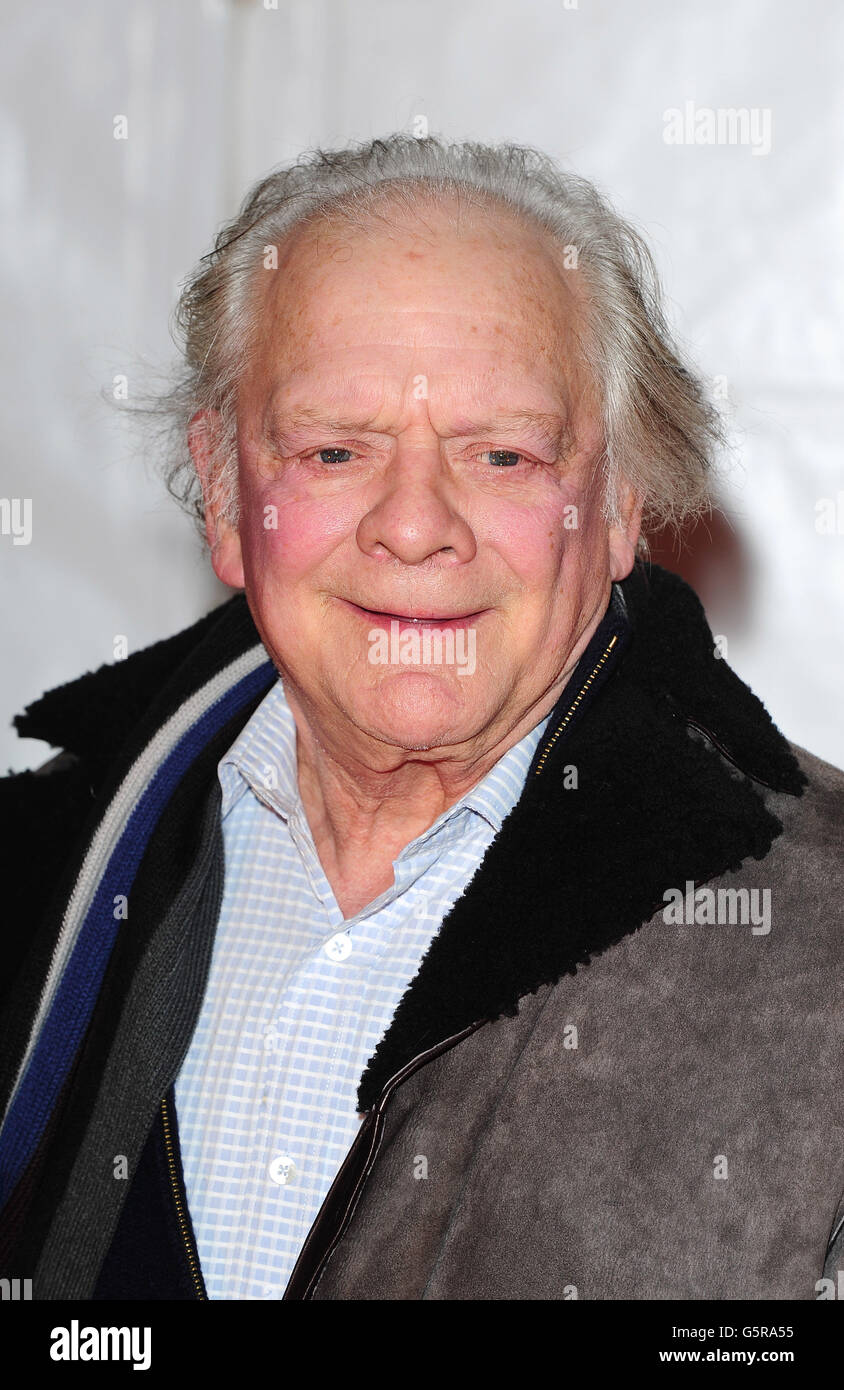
660	430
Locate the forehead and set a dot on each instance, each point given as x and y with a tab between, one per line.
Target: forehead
450	279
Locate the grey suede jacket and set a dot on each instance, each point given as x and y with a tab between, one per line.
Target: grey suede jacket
618	1072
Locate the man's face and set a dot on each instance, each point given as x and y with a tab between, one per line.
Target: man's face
417	440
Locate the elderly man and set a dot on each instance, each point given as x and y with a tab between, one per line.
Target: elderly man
441	917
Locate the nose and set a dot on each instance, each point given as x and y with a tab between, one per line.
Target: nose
417	515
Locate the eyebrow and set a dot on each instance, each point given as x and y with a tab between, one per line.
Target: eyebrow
547	427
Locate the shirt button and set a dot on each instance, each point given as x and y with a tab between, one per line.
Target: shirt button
338	947
282	1170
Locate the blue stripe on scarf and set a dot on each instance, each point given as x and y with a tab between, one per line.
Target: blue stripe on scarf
70	1013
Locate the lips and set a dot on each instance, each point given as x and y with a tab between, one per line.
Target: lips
380	615
421	617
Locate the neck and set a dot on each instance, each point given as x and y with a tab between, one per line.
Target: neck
361	807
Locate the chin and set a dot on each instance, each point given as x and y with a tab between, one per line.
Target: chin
418	712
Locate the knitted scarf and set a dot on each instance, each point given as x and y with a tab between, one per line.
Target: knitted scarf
93	913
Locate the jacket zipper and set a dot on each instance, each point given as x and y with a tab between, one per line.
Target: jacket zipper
573	706
181	1210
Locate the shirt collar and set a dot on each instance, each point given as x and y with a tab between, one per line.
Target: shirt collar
263	758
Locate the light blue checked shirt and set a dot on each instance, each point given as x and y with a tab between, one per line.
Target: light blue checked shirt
298	999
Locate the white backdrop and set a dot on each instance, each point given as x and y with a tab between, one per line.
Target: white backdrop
97	233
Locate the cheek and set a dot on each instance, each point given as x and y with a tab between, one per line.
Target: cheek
540	539
285	535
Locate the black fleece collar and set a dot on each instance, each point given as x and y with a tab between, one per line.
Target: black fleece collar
572	870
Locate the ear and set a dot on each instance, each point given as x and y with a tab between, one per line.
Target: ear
624	534
204	442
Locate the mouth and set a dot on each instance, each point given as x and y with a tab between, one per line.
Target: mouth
379	618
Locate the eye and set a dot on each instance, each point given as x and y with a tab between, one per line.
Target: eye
334	452
503	458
